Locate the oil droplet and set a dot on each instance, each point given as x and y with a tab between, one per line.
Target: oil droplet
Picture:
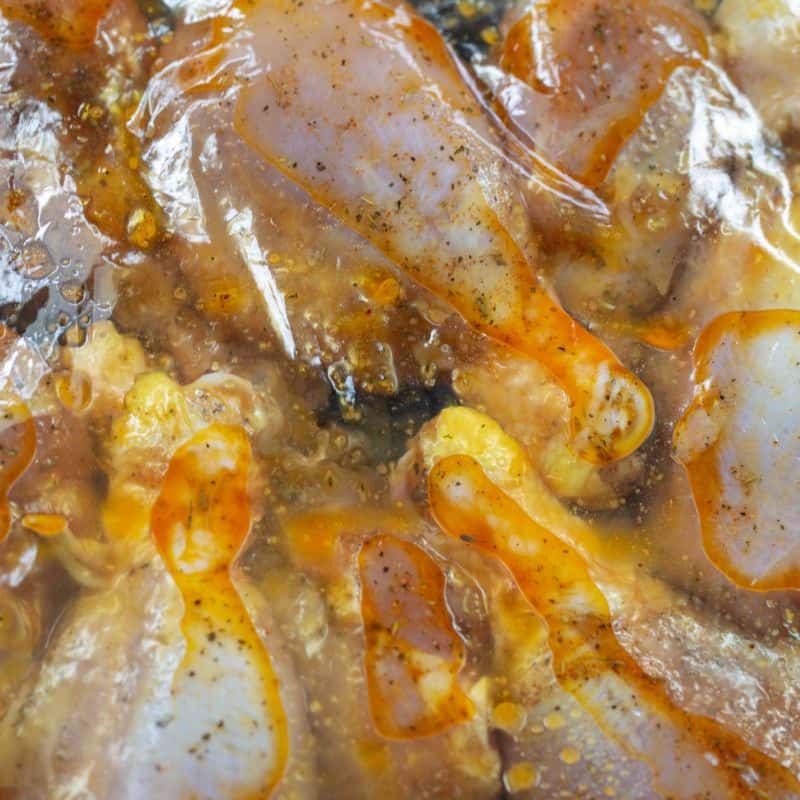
490	35
142	229
374	756
388	292
609	791
467	9
554	720
509	717
74	391
521	776
569	755
45	524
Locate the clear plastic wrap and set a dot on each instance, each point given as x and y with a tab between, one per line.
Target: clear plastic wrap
398	405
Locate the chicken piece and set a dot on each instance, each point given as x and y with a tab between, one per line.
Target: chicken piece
737	442
178	459
68	408
587	82
761	71
389	653
710	661
332	300
701	220
194	499
50	513
738	672
246	259
462	430
659	521
450	225
413	654
159	416
102	371
108	653
199	523
121	648
696	172
587	659
591	70
495	384
547	744
743	29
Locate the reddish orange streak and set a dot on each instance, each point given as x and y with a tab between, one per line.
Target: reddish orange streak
597	68
316	537
199	522
405	616
708	484
70	22
556	581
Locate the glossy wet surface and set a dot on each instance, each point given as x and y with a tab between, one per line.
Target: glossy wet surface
381	419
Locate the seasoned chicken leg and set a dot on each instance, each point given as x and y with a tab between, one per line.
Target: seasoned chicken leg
710	664
412	683
738	441
199	522
761	71
389	651
590	70
698	197
331	300
421	178
182	648
587	659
